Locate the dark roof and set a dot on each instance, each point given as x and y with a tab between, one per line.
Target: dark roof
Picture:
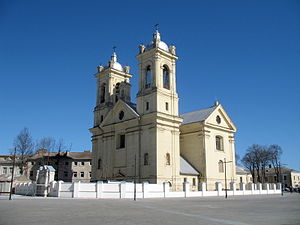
197	116
74	155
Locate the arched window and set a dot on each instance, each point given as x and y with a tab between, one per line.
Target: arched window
117	92
221	166
99	164
166	77
148	77
219	143
102	93
168	159
146	159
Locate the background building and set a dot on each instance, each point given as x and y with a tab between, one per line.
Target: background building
69	166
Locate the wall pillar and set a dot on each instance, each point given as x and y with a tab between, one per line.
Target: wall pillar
145	189
99	188
122	189
259	187
186	188
243	187
219	188
166	189
233	187
76	189
278	186
203	188
59	187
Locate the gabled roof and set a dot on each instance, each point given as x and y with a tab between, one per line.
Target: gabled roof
241	169
197	116
187	168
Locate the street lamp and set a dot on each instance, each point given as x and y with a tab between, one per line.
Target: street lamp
226	177
12	175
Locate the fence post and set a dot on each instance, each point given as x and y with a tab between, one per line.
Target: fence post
59	188
99	188
219	188
267	187
203	188
145	189
76	189
122	190
186	188
166	189
233	187
243	187
259	187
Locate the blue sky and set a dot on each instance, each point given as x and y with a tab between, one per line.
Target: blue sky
246	54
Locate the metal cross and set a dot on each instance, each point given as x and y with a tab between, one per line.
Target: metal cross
156	26
114	48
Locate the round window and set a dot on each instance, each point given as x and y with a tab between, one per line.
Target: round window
218	119
121	115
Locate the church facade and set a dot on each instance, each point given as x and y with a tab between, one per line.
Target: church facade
150	141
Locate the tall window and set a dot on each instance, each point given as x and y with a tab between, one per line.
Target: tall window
99	164
168	159
146	159
117	92
102	93
148	77
219	143
166	77
121	141
221	166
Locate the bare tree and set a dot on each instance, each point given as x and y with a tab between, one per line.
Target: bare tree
249	162
24	145
275	155
47	143
61	146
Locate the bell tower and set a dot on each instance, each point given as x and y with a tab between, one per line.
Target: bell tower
157	78
112	85
157	104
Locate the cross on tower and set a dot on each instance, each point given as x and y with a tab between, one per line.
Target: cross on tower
114	48
156	26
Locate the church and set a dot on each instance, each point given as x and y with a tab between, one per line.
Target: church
149	141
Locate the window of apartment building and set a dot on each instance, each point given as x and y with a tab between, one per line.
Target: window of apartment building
275	178
75	163
10	170
74	174
81	174
66	163
266	179
66	173
5	170
219	143
284	177
31	173
32	163
90	174
241	179
194	181
168	159
82	163
221	166
146	159
121	141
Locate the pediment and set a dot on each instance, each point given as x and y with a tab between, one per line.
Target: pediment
119	113
219	118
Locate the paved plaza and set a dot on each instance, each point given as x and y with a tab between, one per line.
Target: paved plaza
238	210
